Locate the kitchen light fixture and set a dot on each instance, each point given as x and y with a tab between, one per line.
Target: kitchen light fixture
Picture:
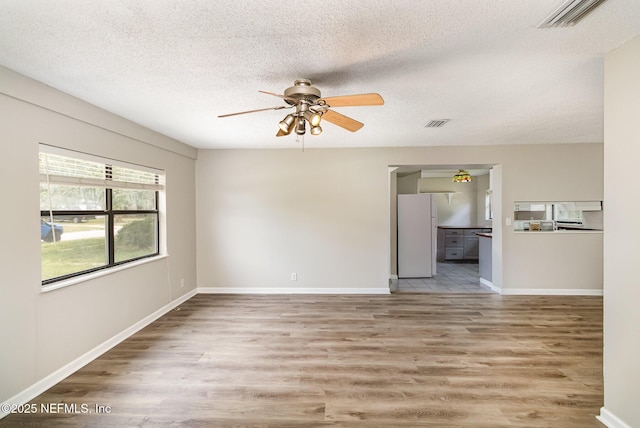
462	177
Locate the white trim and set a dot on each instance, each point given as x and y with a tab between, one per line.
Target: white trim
75	365
290	290
611	420
103	272
551	292
490	285
393	276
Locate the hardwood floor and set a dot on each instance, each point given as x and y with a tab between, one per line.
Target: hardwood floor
405	360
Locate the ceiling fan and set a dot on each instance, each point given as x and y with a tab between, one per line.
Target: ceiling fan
311	108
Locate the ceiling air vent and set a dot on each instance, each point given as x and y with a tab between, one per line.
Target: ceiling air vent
437	123
569	13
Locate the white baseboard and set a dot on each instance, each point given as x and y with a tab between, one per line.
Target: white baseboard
611	420
393	276
42	385
290	290
551	292
490	286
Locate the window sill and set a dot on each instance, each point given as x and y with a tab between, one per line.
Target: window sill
560	232
101	273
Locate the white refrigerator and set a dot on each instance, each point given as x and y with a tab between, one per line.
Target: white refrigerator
416	236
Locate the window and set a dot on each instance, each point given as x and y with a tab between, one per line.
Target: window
95	213
582	215
565	213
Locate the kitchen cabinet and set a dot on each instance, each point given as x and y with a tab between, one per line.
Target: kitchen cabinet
459	243
453	244
471	243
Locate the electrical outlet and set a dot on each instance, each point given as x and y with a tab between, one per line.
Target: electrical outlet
182	283
294	276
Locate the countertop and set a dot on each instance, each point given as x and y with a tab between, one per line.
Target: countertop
557	232
485	235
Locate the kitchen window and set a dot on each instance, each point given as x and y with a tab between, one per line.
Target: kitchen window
573	212
576	215
95	213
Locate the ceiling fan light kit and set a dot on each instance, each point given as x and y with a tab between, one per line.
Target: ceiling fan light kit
313	118
311	108
300	127
316	130
286	124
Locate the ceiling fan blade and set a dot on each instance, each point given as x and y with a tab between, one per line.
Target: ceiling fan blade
290	99
253	111
281	133
342	121
354	100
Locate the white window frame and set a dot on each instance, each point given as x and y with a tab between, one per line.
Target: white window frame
110	182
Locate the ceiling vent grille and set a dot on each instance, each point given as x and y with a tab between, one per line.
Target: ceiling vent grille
437	123
569	13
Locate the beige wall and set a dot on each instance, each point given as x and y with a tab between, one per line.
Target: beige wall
462	210
482	185
465	207
264	214
409	184
325	214
622	238
46	331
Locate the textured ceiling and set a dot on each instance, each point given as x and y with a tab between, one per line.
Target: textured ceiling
174	66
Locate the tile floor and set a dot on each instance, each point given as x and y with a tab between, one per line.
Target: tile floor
451	277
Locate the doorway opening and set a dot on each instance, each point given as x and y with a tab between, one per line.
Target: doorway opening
462	223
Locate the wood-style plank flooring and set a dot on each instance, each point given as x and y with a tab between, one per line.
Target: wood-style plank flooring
405	360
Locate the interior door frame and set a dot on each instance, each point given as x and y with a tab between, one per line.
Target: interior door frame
497	208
